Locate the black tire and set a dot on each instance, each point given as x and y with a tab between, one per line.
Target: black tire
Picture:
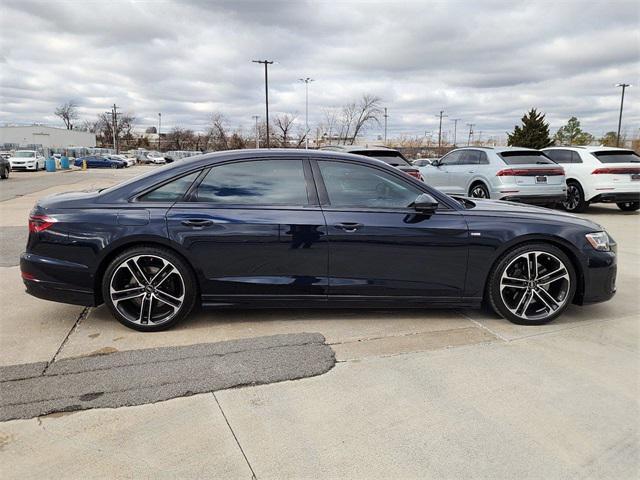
628	206
561	290
5	173
178	286
479	190
575	202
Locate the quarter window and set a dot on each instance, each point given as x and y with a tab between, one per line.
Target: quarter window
350	185
172	191
259	182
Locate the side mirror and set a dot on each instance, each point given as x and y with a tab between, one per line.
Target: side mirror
425	204
435	163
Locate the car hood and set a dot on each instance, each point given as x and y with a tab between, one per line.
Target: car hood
501	208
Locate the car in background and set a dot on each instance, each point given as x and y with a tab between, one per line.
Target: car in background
337	230
422	162
507	173
387	155
156	157
27	160
127	159
96	161
5	167
599	175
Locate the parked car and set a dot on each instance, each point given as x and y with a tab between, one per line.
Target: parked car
155	157
509	173
95	161
5	167
422	162
599	175
128	160
387	155
27	160
304	228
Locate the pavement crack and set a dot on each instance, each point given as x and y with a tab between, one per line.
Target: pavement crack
253	473
82	316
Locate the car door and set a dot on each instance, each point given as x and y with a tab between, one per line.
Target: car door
467	167
254	231
438	176
379	247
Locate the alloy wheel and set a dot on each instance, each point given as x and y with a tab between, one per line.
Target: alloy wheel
573	197
147	290
479	192
535	285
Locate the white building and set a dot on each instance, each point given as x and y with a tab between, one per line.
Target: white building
47	137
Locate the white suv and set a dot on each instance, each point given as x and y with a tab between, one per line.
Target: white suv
599	175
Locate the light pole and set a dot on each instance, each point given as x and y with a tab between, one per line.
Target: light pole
385	125
266	91
256	117
455	129
440	131
470	125
306	109
159	126
624	86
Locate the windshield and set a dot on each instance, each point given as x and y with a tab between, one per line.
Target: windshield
617	156
25	154
388	156
525	157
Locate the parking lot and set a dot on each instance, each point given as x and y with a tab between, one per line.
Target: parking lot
308	394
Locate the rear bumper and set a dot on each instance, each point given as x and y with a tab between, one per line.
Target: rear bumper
536	199
57	280
615	197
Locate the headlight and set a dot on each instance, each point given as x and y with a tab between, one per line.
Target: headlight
599	241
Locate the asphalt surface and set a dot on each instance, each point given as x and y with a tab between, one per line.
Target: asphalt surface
147	376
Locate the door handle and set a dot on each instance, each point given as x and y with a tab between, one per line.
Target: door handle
197	222
349	227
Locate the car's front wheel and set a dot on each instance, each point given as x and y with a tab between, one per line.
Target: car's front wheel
5	173
149	288
628	206
532	284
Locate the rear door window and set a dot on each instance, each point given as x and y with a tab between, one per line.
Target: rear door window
525	157
617	156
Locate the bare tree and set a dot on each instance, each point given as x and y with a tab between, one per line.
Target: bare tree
68	112
218	132
368	111
330	123
347	117
180	138
104	128
284	124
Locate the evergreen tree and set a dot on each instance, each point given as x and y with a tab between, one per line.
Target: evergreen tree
534	132
572	134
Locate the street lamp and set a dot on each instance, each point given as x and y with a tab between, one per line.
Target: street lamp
306	109
624	86
266	63
159	126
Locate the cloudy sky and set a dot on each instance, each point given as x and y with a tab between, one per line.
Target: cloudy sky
484	62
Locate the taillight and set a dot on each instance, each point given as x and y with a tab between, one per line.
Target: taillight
615	170
529	172
414	174
39	223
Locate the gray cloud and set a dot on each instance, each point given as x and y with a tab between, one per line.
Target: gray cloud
485	62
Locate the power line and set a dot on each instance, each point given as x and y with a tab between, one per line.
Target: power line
624	86
455	129
266	91
470	125
385	125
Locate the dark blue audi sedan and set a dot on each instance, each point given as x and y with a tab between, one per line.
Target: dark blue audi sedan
303	228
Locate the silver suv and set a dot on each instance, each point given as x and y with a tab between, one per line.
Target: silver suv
502	173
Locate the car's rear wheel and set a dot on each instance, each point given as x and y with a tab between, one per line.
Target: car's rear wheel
149	288
628	206
5	173
532	284
575	202
479	190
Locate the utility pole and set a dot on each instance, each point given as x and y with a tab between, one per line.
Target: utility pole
114	121
470	125
624	86
455	129
385	125
440	130
159	127
266	91
256	117
306	109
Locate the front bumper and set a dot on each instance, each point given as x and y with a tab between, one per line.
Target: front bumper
599	277
23	166
57	280
536	199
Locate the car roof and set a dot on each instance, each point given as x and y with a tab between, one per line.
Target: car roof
498	149
590	148
357	148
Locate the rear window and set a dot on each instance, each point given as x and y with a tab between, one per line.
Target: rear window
392	158
525	158
617	156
